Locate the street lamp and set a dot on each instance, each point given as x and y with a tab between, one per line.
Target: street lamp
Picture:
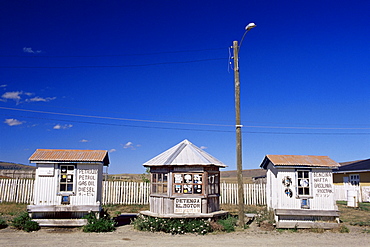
238	125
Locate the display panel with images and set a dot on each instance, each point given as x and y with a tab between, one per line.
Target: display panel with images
188	183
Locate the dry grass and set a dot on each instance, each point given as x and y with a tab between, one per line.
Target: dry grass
115	210
233	209
354	216
11	209
348	215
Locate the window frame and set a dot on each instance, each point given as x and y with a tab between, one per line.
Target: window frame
159	183
213	187
180	183
354	179
304	183
67	182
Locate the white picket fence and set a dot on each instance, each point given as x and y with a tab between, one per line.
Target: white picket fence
118	192
16	190
341	192
254	194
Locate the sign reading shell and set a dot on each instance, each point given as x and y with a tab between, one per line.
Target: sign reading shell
187	205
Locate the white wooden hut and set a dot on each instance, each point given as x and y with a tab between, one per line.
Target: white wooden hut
185	182
300	190
68	185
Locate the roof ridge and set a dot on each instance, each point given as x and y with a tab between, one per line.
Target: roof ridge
184	153
178	150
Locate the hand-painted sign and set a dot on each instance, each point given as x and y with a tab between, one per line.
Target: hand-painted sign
87	180
187	205
323	184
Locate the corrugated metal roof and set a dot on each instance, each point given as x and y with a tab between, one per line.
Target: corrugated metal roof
299	160
184	153
64	155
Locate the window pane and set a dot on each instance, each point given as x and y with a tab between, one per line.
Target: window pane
306	191
198	189
69	187
160	188
188	189
177	178
178	188
188	178
63	169
300	191
197	178
62	187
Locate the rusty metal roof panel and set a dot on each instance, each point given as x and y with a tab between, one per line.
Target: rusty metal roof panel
300	160
65	155
184	153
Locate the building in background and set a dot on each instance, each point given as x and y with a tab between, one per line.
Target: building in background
355	177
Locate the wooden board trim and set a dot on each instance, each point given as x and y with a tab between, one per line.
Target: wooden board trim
63	208
209	215
306	212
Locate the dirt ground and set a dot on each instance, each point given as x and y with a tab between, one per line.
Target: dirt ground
127	236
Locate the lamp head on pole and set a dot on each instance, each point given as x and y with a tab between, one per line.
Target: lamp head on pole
250	26
247	28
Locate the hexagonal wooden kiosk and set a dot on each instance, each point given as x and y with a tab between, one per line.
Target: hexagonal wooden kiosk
185	183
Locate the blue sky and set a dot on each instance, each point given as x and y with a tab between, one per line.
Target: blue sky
138	77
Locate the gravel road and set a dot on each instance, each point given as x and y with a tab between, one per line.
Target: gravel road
127	236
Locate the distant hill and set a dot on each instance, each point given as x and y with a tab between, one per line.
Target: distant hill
246	173
226	176
231	176
14	166
13	170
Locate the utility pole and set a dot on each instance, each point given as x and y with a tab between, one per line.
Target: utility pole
238	136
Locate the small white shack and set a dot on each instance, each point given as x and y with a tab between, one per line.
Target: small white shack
300	190
68	185
185	183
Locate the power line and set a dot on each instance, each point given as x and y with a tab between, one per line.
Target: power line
107	66
175	122
190	129
121	125
113	118
185	129
116	55
219	119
